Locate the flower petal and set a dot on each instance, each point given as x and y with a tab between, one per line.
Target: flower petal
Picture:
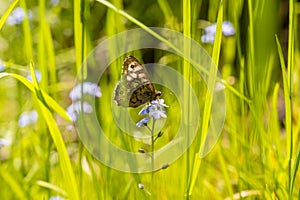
88	88
227	29
75	108
143	122
4	142
208	38
28	118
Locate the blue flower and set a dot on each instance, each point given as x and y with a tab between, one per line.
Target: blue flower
38	76
210	32
208	38
155	110
4	142
227	29
159	102
2	66
145	110
17	16
75	108
157	113
28	118
88	88
54	2
143	122
56	198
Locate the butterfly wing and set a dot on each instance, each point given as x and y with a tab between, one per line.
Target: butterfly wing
134	88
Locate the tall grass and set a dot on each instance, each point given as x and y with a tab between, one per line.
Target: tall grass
257	155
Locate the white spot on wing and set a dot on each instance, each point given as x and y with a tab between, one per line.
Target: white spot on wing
138	68
129	78
142	75
133	75
144	80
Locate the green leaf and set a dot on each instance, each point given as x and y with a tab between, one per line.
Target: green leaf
208	99
49	101
7	13
65	163
15	186
288	105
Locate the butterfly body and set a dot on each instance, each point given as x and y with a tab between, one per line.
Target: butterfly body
135	87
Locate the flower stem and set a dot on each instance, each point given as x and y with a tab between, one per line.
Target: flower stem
152	150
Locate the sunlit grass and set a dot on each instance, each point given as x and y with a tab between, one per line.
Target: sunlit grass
258	153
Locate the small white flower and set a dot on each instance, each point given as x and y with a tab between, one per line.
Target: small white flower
88	88
56	198
155	110
4	142
159	102
208	38
75	108
2	66
143	122
28	118
17	16
54	2
227	29
210	32
156	114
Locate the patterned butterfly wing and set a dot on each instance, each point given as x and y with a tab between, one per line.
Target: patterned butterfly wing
134	88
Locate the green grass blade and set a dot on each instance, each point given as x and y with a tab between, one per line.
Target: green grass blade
289	113
194	174
28	49
164	5
209	96
295	169
288	107
52	187
274	126
7	13
49	101
116	27
65	162
78	34
211	80
50	54
143	26
42	54
35	82
15	186
223	166
187	107
291	44
137	22
251	60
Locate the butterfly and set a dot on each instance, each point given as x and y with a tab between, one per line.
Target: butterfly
134	88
